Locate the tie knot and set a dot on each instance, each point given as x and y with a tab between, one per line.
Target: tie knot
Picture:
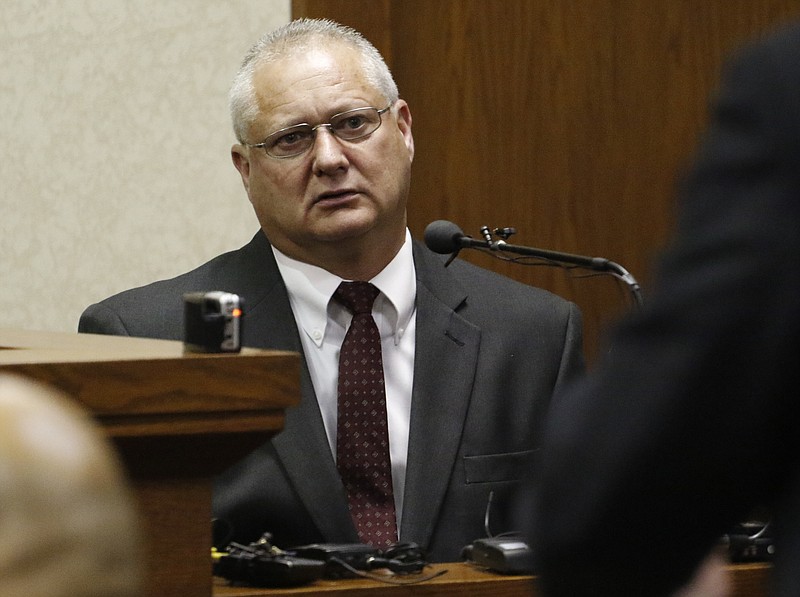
356	296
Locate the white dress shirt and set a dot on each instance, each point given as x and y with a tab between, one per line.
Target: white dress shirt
323	322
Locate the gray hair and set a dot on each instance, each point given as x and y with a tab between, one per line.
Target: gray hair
298	36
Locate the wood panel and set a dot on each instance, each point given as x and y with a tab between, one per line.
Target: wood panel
568	120
175	419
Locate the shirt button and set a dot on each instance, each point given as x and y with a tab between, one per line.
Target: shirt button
316	335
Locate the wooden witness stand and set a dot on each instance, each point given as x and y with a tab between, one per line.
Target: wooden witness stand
177	420
746	580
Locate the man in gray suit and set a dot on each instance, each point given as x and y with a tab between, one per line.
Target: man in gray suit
471	359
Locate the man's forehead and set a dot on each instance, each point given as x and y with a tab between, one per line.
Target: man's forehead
320	78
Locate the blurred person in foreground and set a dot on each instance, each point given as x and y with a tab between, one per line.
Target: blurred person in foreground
471	359
690	423
68	526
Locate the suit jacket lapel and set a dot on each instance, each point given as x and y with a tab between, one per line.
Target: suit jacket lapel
445	342
303	445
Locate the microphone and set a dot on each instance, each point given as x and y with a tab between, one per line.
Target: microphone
445	237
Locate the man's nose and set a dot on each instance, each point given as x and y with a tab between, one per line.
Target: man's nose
328	150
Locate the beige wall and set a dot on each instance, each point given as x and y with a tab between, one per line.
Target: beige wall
114	146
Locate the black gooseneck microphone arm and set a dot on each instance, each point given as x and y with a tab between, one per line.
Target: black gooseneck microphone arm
445	237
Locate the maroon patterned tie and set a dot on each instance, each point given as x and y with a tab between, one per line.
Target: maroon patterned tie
362	444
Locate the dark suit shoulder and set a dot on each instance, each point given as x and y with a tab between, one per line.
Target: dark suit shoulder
479	288
155	310
764	75
486	281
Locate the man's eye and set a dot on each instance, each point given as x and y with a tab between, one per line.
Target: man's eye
290	140
353	122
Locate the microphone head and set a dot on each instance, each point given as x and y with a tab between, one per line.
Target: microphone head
442	236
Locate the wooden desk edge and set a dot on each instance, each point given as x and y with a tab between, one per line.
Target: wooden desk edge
747	580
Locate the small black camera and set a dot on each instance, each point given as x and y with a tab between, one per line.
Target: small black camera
212	322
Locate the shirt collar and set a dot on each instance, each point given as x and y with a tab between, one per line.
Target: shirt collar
310	290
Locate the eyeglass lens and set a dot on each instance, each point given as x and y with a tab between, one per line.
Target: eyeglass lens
349	126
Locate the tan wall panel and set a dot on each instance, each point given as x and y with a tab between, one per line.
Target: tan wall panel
115	139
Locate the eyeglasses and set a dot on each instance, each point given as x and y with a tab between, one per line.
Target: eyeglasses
299	138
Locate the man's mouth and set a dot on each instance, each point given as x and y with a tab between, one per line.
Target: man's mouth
333	196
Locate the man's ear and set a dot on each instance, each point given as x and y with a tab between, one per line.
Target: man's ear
404	124
241	160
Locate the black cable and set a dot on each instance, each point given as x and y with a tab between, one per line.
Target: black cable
615	270
385	579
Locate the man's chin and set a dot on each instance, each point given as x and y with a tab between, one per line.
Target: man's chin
343	229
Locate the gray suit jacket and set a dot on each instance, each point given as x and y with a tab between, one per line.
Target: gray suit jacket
490	353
